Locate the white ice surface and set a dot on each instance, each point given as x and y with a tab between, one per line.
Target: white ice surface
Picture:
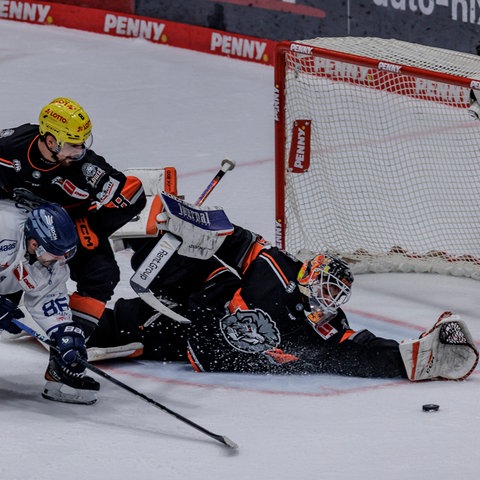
152	106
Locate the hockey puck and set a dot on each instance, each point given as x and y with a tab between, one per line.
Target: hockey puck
430	407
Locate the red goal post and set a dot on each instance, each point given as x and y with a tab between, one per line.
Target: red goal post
377	157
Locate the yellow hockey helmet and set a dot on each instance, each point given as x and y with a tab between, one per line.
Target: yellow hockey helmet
66	120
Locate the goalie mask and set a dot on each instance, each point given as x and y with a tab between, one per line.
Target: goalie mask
325	280
474	109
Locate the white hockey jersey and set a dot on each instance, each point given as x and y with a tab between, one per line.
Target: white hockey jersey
45	288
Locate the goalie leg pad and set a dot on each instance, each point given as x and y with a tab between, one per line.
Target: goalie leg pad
130	350
447	351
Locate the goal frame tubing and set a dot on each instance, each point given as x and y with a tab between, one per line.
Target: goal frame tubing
281	50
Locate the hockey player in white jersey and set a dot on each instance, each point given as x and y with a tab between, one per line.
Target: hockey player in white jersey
35	245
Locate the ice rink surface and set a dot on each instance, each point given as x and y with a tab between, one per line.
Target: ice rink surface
153	105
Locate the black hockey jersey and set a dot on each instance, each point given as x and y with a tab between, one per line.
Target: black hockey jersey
266	327
89	182
248	315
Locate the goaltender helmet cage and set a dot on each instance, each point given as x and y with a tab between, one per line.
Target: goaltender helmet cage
67	121
326	281
51	226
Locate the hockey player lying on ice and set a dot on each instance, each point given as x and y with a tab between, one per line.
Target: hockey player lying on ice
255	308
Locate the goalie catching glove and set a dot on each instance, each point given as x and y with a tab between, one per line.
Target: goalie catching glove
202	229
445	352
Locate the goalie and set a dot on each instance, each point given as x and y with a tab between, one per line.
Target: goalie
255	308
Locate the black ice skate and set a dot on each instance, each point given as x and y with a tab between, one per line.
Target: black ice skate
66	385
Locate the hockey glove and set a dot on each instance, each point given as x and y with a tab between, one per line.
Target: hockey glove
8	311
202	229
70	343
447	351
27	198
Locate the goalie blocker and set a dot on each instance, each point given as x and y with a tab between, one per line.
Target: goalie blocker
202	229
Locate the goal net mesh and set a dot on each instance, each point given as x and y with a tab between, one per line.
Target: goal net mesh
377	156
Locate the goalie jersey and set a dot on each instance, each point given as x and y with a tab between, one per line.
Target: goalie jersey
247	315
264	327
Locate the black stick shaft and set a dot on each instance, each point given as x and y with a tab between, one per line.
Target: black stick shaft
220	438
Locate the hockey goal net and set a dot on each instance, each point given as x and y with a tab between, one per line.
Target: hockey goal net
377	156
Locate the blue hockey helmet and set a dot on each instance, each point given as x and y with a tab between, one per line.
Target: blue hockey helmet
51	226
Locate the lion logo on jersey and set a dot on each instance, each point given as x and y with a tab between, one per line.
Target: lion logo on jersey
250	331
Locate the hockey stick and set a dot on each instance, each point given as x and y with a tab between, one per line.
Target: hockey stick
161	253
226	165
220	438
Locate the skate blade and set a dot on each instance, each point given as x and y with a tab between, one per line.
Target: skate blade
59	392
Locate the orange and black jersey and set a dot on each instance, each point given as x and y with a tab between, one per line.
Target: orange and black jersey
266	329
269	284
265	279
86	183
249	317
